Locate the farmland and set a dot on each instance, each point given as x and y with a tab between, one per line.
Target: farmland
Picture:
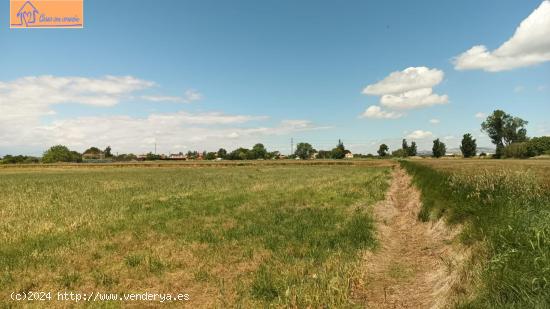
285	235
504	209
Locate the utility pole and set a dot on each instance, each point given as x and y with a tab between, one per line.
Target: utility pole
291	145
155	147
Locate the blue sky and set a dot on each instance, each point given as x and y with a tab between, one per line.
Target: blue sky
203	74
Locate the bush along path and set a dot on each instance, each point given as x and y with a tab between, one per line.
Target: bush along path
415	265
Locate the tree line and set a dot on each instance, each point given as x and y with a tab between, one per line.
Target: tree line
507	133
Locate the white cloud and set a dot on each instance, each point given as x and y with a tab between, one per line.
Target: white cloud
377	113
410	88
412	78
413	99
480	115
200	131
153	98
192	95
420	134
189	97
529	45
435	121
43	91
26	101
210	118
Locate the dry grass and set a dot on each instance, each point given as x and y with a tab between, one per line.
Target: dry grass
249	236
504	206
540	168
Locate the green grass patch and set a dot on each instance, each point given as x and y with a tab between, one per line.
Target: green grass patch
508	213
246	236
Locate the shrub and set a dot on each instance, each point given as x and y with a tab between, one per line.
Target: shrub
61	153
538	146
516	150
399	153
9	159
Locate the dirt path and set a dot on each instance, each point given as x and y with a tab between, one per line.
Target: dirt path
414	266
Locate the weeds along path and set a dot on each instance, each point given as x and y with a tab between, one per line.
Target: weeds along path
411	268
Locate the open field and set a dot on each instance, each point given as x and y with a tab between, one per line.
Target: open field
538	168
504	209
287	235
197	163
283	234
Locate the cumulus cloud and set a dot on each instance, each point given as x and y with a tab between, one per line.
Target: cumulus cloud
412	78
529	45
419	134
171	131
377	112
42	91
413	99
408	89
29	98
434	121
26	101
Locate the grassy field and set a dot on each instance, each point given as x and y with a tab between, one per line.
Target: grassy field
284	235
504	206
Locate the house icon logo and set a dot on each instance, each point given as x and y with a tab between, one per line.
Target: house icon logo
27	14
32	14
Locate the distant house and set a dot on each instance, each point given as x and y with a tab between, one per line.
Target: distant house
349	155
93	154
177	156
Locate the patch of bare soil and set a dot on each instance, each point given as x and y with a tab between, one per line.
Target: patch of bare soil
416	263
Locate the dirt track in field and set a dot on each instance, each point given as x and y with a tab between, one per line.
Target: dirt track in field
415	265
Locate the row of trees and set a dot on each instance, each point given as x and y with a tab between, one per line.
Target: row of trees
9	159
306	151
507	133
403	152
468	148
